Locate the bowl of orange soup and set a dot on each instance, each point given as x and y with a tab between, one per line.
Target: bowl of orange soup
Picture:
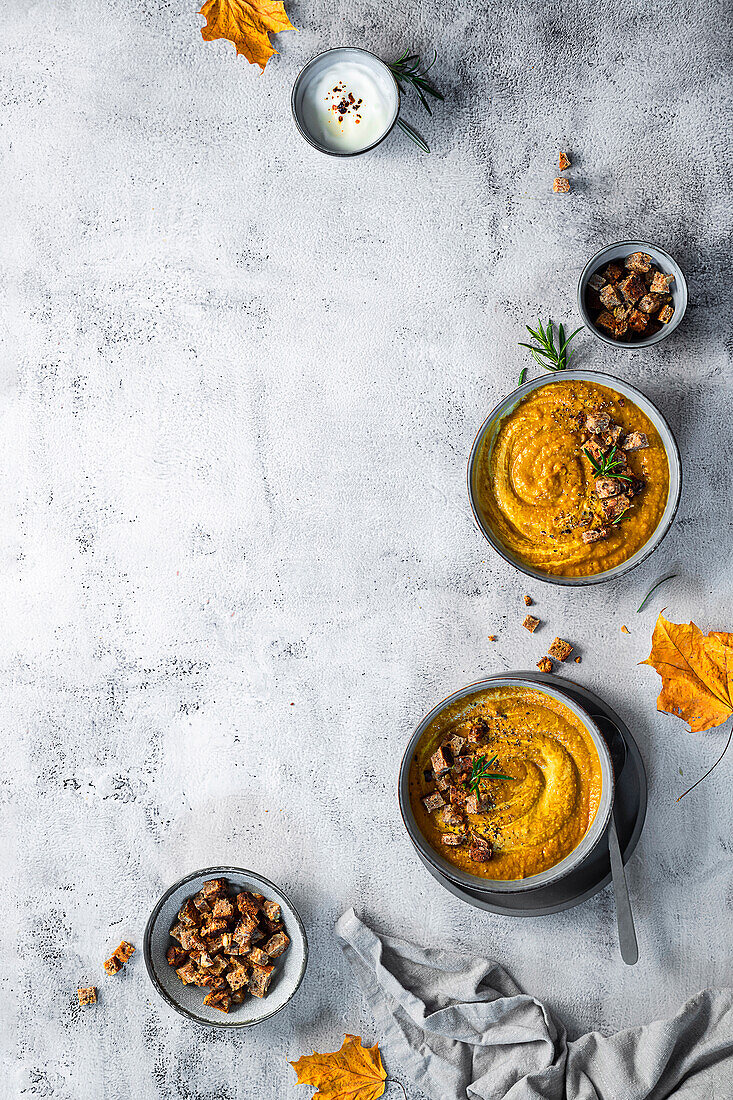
575	478
506	785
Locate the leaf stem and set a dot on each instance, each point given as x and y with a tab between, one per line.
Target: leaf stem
707	773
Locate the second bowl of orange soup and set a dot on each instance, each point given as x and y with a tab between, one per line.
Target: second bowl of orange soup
507	785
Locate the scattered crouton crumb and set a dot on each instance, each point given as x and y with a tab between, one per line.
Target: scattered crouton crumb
528	601
561	186
545	665
564	161
578	660
560	650
492	637
531	624
625	630
87	996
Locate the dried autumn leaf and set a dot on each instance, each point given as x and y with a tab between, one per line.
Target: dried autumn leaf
246	23
352	1073
696	671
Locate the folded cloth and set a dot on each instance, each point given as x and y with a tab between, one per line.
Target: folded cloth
458	1026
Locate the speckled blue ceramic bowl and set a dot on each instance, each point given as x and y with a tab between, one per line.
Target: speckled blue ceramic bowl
188	999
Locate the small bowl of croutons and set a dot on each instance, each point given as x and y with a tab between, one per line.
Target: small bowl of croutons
225	947
632	294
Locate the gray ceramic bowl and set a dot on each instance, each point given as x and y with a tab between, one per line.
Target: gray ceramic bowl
188	999
459	705
663	261
489	431
324	60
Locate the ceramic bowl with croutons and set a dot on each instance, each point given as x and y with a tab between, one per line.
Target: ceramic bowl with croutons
225	947
632	294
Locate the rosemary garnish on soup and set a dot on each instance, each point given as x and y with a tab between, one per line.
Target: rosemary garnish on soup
482	770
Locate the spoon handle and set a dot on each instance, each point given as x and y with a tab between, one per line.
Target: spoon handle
624	917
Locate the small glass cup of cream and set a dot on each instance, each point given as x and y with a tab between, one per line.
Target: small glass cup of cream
345	101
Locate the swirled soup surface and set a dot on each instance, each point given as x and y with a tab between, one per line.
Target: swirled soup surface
539	815
535	487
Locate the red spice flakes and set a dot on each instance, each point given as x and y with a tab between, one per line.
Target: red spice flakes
346	104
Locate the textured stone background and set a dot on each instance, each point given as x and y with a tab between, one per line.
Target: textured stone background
239	384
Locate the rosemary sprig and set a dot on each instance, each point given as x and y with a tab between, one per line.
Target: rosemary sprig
653	589
544	351
409	70
480	771
608	464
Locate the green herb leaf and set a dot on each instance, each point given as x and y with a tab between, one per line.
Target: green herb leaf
607	465
413	135
557	357
522	374
481	770
409	71
653	589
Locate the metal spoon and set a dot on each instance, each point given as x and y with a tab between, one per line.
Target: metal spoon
624	917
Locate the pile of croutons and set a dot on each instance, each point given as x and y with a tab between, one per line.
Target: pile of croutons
631	298
226	941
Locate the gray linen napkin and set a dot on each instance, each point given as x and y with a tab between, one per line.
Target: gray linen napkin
458	1026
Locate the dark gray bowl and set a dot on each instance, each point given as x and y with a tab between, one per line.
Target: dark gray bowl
664	262
458	705
188	999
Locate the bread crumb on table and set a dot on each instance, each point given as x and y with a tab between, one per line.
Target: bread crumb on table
561	186
531	624
625	630
545	665
119	957
563	161
528	601
560	650
87	995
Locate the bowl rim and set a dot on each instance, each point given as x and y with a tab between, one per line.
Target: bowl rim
152	919
673	458
302	129
571	861
666	330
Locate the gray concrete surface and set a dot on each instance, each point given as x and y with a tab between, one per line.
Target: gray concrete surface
239	385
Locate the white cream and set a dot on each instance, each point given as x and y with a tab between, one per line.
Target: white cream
347	106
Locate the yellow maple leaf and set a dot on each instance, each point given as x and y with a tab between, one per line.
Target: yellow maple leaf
246	23
696	671
352	1073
